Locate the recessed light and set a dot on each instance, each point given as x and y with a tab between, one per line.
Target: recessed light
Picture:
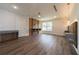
39	16
15	7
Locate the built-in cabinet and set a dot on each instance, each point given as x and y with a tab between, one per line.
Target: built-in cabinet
72	33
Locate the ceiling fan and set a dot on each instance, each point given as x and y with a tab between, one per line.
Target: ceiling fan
68	3
55	8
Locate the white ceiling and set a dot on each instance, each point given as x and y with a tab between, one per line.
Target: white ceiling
46	10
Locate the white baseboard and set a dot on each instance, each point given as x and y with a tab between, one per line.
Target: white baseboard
52	33
59	35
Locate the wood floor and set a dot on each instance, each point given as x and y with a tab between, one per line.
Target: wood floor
41	44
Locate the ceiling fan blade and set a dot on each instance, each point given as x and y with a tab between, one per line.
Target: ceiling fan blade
68	3
55	8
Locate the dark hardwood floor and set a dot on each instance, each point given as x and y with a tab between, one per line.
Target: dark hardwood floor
41	44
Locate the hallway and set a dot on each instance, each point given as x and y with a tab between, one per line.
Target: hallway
41	44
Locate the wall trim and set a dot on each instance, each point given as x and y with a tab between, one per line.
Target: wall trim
59	35
53	34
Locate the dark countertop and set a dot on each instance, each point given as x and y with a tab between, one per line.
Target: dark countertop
36	29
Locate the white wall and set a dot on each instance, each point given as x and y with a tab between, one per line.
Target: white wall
11	21
59	26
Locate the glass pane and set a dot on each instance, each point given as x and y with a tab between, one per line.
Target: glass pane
47	26
44	26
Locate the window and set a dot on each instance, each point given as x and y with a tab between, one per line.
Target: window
47	26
